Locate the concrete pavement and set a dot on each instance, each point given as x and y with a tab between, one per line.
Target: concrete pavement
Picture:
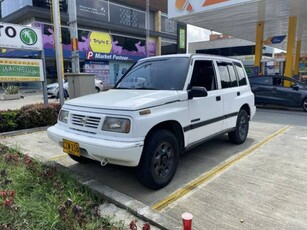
261	188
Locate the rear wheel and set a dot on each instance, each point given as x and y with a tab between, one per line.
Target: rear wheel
238	136
65	94
159	160
305	105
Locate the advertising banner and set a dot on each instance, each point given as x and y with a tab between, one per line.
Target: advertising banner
97	9
100	69
21	70
20	37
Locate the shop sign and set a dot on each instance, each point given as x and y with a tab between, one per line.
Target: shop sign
20	37
21	70
111	57
274	40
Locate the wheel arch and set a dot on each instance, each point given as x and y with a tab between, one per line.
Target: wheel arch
173	127
247	109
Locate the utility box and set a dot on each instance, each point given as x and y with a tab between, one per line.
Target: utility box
80	84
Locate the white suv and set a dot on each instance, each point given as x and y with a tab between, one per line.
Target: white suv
179	102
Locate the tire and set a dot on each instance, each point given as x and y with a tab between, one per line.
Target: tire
81	159
97	89
159	160
304	105
238	136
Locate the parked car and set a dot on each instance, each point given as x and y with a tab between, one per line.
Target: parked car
161	108
53	89
279	90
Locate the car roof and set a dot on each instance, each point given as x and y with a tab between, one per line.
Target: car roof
192	56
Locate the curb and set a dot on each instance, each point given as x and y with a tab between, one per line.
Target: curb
23	131
135	207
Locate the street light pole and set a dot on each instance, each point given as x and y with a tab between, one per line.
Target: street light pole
73	27
147	27
58	47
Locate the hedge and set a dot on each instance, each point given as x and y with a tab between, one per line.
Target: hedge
29	116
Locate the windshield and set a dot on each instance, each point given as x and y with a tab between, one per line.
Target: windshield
157	74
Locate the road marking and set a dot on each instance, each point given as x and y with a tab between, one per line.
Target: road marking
212	173
57	157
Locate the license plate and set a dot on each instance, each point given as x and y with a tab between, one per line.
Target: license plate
71	147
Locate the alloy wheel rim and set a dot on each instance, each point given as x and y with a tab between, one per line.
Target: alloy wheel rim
163	160
305	105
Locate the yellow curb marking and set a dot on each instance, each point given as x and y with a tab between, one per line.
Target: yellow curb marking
57	157
212	173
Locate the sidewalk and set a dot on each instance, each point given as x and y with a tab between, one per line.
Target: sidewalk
265	189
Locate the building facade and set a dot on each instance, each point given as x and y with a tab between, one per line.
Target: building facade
112	35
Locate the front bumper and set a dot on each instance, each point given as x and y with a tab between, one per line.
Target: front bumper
116	152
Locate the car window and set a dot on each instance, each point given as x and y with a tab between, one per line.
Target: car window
204	75
232	75
241	74
159	74
261	80
224	75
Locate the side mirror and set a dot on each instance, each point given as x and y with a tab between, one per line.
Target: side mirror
296	87
197	91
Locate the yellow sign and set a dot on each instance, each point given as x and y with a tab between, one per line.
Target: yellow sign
100	42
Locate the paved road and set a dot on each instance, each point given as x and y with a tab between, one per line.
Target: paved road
258	185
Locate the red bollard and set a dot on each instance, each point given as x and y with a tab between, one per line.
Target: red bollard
187	221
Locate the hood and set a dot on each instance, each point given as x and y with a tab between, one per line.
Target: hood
120	99
53	85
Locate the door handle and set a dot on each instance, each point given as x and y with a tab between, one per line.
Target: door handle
238	93
218	98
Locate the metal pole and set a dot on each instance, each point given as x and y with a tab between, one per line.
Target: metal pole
45	78
73	27
147	27
58	46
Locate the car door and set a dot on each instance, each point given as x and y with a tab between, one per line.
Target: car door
263	89
206	113
286	94
230	92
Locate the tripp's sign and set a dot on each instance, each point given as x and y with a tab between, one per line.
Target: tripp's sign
20	37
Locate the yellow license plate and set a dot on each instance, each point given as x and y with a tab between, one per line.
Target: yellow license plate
71	147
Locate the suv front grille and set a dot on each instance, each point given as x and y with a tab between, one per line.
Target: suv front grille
85	121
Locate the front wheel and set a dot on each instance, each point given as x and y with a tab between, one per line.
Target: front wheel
159	159
238	136
305	105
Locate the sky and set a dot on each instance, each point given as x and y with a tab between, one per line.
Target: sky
196	34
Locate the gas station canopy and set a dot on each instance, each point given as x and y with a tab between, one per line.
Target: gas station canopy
240	17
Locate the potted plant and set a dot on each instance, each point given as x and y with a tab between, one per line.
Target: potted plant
11	92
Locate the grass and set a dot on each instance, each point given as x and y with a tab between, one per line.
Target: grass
39	196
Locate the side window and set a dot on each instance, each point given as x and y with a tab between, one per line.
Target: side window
232	74
241	74
278	81
204	75
261	80
224	75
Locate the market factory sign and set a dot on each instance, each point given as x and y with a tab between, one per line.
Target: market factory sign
20	37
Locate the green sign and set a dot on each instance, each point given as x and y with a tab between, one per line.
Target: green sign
20	70
182	39
28	36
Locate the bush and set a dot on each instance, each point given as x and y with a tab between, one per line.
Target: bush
11	90
8	120
29	116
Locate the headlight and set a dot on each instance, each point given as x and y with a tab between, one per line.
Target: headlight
63	116
114	124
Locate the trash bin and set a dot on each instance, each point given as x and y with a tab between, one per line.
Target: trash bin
80	84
